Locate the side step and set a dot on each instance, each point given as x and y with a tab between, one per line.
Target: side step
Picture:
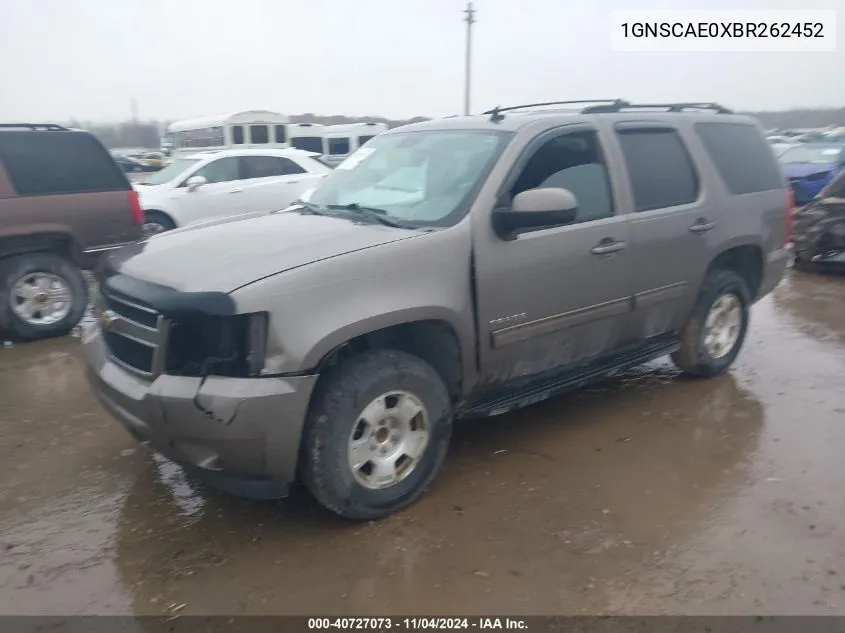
503	401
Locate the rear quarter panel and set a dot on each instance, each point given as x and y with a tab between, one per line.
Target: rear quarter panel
93	220
757	219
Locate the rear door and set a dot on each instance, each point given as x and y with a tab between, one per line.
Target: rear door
272	182
672	224
66	181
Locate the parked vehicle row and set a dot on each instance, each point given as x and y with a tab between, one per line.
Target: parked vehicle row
454	268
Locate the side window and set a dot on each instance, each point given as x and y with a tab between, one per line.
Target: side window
221	170
571	161
338	146
661	170
741	157
259	134
237	134
363	139
308	143
266	166
281	135
45	163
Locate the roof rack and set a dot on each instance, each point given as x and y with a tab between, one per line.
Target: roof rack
668	107
496	113
53	127
611	105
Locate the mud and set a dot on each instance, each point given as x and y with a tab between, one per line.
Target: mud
645	494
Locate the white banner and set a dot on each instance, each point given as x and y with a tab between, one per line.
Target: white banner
759	31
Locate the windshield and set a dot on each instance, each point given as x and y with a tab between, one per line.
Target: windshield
809	154
425	178
170	172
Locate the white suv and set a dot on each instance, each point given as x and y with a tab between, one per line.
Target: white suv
215	184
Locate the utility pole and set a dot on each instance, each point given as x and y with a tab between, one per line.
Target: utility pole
470	20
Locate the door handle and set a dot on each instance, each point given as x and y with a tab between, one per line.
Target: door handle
608	245
702	226
236	191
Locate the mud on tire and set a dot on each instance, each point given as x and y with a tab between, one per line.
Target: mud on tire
14	269
335	413
694	357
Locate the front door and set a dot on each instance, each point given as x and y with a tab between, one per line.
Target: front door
219	197
554	297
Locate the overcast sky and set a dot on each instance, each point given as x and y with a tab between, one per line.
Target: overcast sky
398	58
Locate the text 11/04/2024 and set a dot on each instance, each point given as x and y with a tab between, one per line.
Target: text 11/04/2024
724	31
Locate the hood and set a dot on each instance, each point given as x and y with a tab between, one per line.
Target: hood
802	170
227	254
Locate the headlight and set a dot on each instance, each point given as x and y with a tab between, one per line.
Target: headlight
232	346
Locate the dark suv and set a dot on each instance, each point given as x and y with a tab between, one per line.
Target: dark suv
63	201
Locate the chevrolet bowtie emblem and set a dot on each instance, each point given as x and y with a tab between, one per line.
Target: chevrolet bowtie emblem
107	319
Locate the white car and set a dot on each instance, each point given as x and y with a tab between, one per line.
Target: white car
216	184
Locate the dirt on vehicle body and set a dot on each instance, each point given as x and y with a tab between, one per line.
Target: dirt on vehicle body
455	268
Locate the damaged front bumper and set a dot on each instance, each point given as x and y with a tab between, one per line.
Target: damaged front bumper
239	434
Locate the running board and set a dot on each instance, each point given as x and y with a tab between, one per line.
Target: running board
509	400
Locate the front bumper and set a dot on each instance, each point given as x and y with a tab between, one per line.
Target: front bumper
242	434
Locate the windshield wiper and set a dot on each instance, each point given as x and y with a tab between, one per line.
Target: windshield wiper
379	215
307	207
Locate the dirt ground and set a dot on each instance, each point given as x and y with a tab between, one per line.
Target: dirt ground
647	494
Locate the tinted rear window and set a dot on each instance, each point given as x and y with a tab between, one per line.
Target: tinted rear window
45	163
742	157
661	171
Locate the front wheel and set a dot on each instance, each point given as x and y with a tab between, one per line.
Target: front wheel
376	434
713	336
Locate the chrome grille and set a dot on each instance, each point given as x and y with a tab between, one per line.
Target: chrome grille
135	334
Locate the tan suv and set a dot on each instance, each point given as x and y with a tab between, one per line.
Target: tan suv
63	201
447	269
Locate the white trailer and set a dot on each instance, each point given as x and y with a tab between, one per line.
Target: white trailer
236	130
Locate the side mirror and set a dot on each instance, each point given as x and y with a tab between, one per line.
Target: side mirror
195	182
536	208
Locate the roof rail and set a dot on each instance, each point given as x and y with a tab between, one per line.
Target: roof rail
669	107
53	127
496	113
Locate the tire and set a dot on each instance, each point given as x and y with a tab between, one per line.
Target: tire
40	266
157	219
335	418
695	357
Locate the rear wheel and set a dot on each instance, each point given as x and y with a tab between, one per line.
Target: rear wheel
157	222
376	435
714	334
41	295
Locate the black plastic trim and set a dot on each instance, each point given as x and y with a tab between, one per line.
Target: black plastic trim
170	302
